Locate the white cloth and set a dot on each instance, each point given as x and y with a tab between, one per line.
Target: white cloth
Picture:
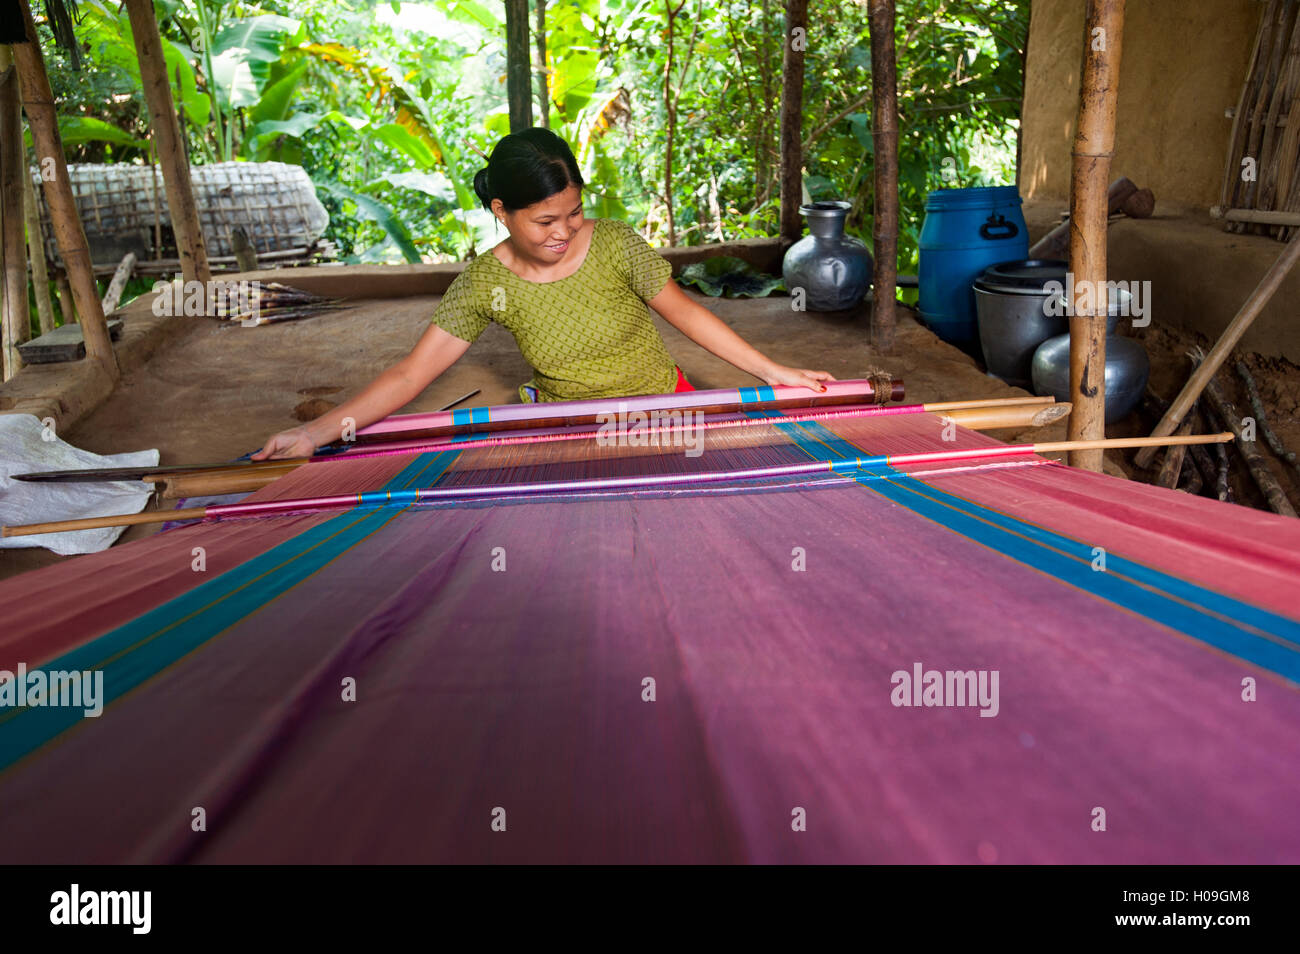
24	450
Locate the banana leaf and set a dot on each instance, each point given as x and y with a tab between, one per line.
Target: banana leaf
729	277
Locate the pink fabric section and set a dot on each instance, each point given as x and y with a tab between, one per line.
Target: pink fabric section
49	611
523	690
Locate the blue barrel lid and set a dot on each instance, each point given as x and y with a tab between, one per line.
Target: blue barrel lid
982	197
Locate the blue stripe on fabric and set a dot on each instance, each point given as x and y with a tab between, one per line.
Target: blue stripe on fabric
1214	618
461	415
140	649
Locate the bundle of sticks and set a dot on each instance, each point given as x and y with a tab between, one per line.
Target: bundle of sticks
1194	470
1261	187
260	303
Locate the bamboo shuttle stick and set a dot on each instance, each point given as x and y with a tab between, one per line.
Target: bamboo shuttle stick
597	484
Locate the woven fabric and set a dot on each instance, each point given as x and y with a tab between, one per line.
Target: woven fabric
500	657
588	335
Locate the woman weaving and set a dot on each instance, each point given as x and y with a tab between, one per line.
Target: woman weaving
573	292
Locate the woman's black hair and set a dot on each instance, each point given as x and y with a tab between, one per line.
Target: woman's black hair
525	168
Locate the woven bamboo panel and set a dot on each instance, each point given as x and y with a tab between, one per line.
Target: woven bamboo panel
124	209
1266	127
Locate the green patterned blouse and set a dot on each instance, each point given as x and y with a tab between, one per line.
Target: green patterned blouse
588	335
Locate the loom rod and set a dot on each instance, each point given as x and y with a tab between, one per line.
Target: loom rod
274	467
429	494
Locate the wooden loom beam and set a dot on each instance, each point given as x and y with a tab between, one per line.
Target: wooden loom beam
645	481
166	128
884	131
1094	144
38	101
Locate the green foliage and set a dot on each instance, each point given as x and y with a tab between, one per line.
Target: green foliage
725	275
392	107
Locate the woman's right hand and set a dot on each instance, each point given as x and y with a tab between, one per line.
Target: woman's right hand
296	442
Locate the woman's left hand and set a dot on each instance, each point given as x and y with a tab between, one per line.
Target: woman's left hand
798	377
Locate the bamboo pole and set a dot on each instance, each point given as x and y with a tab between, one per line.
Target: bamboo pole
38	101
113	294
1094	142
13	167
792	81
854	465
36	256
1260	297
166	128
884	126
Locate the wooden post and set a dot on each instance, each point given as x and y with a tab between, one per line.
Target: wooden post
543	76
166	127
36	254
13	166
38	101
792	75
884	131
1094	143
517	84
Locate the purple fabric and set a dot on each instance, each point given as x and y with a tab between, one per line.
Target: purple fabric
522	689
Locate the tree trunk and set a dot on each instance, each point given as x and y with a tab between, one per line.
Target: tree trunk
1094	142
166	127
543	94
517	83
792	75
38	101
884	132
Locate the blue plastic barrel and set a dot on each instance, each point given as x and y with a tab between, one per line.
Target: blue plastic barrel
965	231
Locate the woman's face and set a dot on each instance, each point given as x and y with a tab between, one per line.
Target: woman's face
544	230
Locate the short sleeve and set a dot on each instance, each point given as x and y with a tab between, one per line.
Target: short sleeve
647	271
461	312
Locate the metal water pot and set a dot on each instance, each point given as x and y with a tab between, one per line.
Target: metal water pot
832	268
1127	365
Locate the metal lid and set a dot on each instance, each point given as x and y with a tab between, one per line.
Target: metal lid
1025	277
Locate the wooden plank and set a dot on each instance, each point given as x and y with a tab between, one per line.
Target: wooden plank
64	343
